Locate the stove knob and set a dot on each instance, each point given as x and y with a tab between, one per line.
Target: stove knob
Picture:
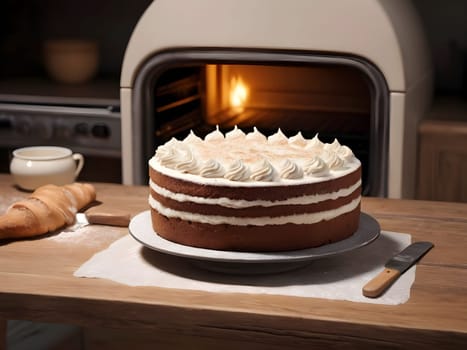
5	123
81	129
61	130
43	130
101	131
23	127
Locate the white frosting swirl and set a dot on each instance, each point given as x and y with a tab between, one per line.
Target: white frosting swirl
333	147
173	142
235	134
167	156
256	136
237	171
186	162
192	138
290	170
262	171
212	168
315	167
298	140
215	135
314	144
333	161
345	153
167	148
278	138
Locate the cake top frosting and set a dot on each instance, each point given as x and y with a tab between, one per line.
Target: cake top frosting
249	159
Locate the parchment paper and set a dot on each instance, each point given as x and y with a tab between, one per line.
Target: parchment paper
338	277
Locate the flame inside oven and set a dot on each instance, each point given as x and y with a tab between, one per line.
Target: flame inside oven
238	94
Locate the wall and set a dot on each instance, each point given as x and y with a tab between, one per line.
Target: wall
26	24
446	28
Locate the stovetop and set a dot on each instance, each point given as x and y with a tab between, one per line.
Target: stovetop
38	111
43	91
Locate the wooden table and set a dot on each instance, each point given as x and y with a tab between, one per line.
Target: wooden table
37	283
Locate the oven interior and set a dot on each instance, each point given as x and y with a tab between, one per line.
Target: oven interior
333	100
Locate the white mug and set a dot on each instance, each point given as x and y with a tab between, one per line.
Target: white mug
32	167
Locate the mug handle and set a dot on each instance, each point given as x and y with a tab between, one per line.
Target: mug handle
79	159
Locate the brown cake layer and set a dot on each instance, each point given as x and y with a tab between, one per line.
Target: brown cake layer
255	211
270	193
256	238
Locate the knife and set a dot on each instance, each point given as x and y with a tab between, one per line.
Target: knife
395	267
111	217
105	217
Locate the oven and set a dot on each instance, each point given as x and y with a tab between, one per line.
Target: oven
355	71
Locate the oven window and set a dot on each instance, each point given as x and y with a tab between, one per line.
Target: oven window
331	101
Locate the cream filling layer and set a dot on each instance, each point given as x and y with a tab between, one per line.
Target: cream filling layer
220	181
241	203
299	219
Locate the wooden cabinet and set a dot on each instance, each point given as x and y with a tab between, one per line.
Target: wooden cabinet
442	168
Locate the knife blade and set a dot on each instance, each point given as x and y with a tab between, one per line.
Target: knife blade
395	267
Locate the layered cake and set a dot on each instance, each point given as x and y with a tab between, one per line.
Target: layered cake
249	192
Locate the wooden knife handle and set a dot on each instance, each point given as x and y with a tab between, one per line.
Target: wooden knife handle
380	283
108	217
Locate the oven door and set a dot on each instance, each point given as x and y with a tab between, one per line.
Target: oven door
332	96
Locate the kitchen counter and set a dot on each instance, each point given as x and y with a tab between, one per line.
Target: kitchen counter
37	283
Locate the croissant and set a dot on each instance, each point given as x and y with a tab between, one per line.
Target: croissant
48	208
